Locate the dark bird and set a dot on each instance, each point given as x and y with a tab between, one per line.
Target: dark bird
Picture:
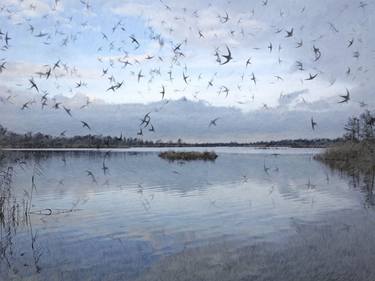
311	77
289	33
146	120
84	124
140	75
48	73
313	124
317	53
57	105
68	111
162	92
225	18
135	41
56	65
113	88
177	48
346	97
248	61
26	105
2	66
185	77
350	43
119	85
79	84
227	57
33	85
253	78
270	47
213	122
7	38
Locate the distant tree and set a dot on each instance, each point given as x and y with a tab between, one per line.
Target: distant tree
367	121
352	129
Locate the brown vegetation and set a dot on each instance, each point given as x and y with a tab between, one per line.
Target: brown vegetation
188	156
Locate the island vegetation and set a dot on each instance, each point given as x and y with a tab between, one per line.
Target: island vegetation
188	155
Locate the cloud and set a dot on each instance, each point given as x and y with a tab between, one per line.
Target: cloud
182	118
287	99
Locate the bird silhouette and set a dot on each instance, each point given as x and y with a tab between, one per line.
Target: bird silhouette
345	98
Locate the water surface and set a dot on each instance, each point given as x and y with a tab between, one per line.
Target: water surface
129	215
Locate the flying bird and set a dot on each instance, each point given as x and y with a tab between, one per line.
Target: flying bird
162	92
185	77
213	122
253	78
350	43
345	98
311	77
248	62
227	57
289	33
84	124
33	85
313	124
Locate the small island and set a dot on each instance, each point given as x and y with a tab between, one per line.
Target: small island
188	155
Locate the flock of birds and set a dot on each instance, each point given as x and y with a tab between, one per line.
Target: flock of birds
174	56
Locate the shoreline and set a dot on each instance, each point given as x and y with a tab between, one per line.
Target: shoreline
351	157
155	148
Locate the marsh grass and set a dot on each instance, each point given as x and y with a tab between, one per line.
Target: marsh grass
350	156
14	213
355	159
188	156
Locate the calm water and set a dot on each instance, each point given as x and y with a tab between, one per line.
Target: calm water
250	215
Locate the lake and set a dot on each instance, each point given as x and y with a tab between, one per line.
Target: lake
252	214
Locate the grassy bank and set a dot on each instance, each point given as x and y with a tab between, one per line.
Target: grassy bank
188	156
350	156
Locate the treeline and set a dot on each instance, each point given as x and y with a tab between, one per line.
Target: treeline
361	128
10	139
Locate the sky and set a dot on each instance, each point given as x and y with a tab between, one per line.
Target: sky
87	47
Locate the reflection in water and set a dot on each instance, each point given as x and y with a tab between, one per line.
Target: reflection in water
123	215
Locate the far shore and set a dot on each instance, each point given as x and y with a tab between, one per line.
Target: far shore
151	147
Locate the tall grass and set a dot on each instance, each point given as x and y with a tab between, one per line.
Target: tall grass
350	156
357	160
